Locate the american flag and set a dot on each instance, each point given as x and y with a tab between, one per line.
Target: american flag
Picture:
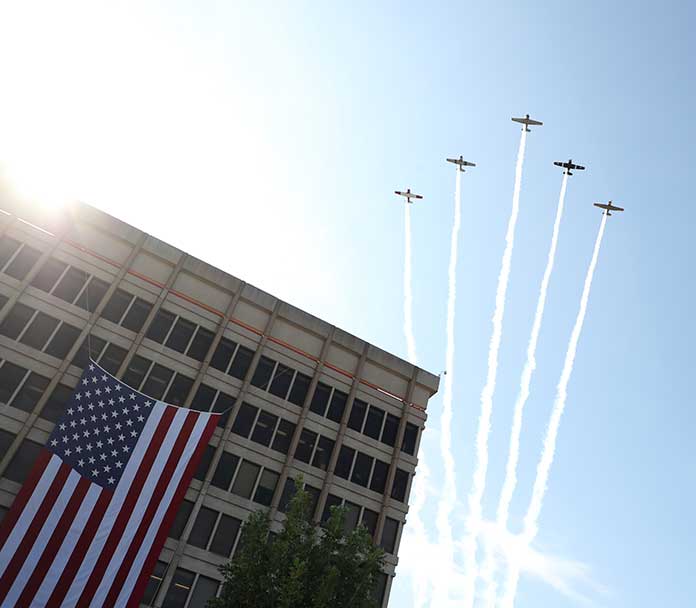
90	520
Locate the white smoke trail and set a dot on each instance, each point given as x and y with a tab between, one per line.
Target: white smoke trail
484	424
503	512
449	491
408	289
531	519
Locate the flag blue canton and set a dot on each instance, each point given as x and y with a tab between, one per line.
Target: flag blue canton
100	427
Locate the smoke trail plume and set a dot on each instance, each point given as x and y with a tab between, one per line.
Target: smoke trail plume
531	519
408	289
510	482
484	423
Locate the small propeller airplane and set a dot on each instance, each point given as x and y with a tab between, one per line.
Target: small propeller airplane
526	121
568	166
608	207
461	163
408	195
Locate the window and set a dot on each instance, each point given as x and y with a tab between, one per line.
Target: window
337	405
380	588
54	408
322	454
116	306
262	373
204	399
179	390
39	331
8	247
379	476
30	393
313	498
399	486
23	262
92	295
241	363
225	535
298	392
357	415
224	403
203	590
244	420
306	445
320	399
362	469
13	324
246	479
263	431
181	335
408	445
157	381
22	461
11	376
289	491
266	488
6	440
154	583
200	344
373	423
223	354
137	315
204	464
352	514
81	358
136	371
71	284
391	529
331	501
62	341
112	358
369	520
283	436
178	591
182	516
281	381
160	326
203	528
224	473
344	461
391	428
49	273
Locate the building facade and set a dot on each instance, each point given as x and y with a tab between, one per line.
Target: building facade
302	396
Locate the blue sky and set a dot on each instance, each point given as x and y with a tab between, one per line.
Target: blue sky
216	125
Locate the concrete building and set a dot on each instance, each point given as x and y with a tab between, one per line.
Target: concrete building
307	398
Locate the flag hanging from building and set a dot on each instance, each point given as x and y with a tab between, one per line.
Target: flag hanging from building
90	520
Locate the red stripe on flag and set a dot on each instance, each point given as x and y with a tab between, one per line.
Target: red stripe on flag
20	554
24	495
54	542
125	511
157	495
158	543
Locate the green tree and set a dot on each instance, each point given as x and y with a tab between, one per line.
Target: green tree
303	566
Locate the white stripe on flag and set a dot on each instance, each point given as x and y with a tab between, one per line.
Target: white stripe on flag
120	493
139	560
140	506
42	539
28	513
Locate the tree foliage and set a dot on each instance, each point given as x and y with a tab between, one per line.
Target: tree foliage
303	566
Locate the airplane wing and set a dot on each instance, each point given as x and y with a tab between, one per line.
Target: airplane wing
417	196
531	121
451	160
602	205
615	208
579	167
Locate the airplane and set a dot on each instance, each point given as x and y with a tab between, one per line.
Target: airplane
526	121
608	207
461	163
568	166
409	195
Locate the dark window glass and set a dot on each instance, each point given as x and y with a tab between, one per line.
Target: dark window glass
23	262
313	498
178	591
408	445
331	501
306	445
112	358
263	430
92	295
180	336
373	423
3	512
241	363
337	405
54	407
224	404
116	306
357	415
71	284
135	373
281	381
63	341
222	478
322	454
344	461
203	528
379	476
399	486
300	386
204	464
380	588
160	326
320	399
203	590
225	535
244	420
246	479
13	324
30	393
137	315
204	399
362	469
391	529
391	428
262	373
289	491
46	278
182	516
8	247
153	584
39	330
351	516
6	440
179	390
266	488
81	358
22	461
3	300
283	436
200	344
369	520
223	354
10	377
157	381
